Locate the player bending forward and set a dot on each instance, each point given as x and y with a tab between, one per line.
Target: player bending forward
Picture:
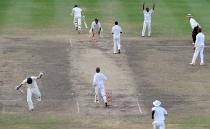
32	89
158	115
95	29
98	83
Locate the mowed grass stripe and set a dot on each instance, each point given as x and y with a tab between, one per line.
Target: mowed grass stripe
91	10
63	16
4	4
111	11
42	13
131	16
17	14
179	26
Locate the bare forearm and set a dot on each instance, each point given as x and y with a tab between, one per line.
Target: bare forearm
153	6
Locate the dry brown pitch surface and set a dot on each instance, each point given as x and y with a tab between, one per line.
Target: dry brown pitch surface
147	69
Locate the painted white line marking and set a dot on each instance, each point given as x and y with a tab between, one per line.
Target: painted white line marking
70	43
140	111
77	107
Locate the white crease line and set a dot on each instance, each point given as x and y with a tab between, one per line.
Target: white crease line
70	43
77	107
140	111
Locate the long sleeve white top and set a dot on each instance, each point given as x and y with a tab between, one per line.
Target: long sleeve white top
98	79
200	40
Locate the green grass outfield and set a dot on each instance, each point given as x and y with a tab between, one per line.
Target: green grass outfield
19	16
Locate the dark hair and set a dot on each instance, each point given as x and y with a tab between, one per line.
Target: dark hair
97	69
29	80
96	20
199	29
116	22
75	5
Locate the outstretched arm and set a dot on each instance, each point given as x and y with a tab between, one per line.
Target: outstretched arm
153	6
40	75
21	84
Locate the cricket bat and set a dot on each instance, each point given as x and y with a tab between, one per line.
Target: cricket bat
85	22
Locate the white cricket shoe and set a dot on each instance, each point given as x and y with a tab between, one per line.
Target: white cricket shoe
192	63
202	64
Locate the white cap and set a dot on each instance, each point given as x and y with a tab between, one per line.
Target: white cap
189	15
156	103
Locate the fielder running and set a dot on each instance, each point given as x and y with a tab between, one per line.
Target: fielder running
116	32
77	14
98	83
95	29
194	25
32	89
199	47
147	20
158	115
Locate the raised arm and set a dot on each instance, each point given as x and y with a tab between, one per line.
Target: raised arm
40	75
153	6
21	84
143	5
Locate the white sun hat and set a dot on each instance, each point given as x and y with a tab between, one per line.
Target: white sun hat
156	103
189	15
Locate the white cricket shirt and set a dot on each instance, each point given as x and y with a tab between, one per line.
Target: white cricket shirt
33	84
160	113
200	39
193	23
99	79
77	12
95	26
116	30
148	15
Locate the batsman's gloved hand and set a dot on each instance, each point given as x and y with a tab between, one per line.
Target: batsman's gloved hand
17	87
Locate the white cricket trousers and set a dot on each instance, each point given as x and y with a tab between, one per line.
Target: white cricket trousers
77	22
146	24
158	125
117	45
198	50
100	94
30	93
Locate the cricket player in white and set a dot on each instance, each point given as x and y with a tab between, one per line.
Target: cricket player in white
158	115
194	25
199	47
116	32
95	28
98	83
32	89
147	20
77	14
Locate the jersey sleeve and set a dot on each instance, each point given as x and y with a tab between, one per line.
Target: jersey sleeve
104	77
24	81
99	24
165	112
92	25
34	77
94	80
72	12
